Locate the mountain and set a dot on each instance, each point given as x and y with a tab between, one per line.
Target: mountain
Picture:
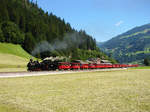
99	43
132	46
43	34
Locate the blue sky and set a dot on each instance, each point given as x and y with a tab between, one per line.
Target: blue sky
102	19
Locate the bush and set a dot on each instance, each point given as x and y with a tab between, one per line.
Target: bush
147	61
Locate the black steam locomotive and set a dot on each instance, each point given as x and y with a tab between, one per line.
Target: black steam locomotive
41	66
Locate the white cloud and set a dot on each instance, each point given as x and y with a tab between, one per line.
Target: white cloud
119	23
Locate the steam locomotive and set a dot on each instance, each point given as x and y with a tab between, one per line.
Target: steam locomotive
47	65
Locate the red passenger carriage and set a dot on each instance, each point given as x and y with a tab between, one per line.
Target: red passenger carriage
64	66
75	66
92	66
84	66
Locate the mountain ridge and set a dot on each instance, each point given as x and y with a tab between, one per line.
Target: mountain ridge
130	47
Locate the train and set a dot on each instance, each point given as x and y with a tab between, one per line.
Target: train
48	65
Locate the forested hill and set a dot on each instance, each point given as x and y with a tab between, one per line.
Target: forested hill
132	46
43	34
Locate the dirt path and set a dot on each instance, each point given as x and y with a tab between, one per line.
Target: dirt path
40	73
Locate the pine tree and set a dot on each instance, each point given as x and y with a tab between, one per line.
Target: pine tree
3	11
29	42
22	23
2	39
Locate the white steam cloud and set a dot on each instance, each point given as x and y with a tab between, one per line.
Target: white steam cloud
67	42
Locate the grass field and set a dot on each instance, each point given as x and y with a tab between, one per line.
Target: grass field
13	57
113	91
17	50
142	67
10	63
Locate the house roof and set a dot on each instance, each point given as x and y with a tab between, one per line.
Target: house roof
105	61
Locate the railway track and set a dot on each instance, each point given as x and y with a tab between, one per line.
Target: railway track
41	73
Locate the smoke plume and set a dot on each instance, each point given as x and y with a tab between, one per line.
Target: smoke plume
68	41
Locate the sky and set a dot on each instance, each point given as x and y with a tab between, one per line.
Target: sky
102	19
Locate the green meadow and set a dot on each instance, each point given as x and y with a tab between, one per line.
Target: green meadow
111	91
13	58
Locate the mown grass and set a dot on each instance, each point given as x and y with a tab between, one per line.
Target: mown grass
12	60
14	69
17	50
141	67
10	63
13	57
113	91
4	108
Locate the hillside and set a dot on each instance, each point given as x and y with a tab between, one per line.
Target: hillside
130	47
43	34
40	33
17	50
13	56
